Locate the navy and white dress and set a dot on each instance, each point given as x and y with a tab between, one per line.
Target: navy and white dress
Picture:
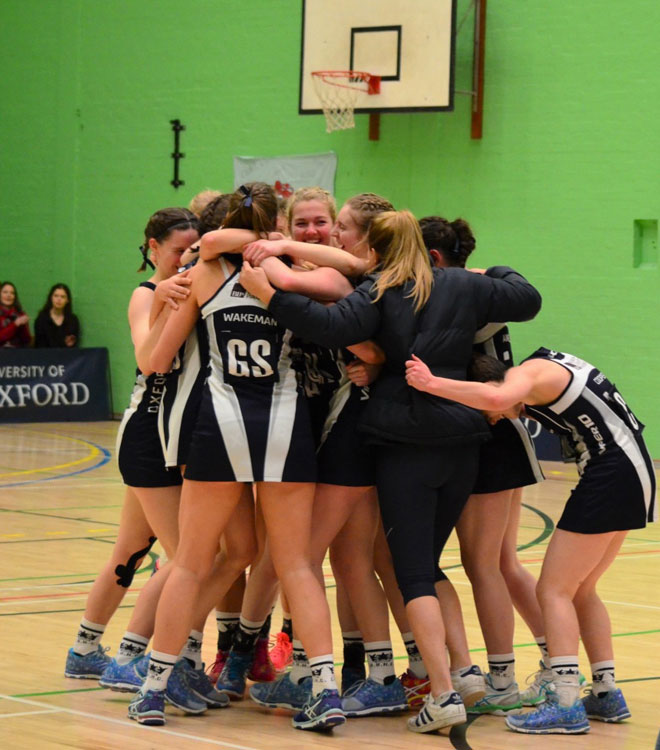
139	451
253	423
508	460
182	397
617	484
343	457
335	405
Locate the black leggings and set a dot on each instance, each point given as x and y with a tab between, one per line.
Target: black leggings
422	491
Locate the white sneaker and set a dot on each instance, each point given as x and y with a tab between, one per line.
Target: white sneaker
541	680
538	686
470	685
436	714
497	702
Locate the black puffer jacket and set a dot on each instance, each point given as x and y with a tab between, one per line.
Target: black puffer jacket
441	334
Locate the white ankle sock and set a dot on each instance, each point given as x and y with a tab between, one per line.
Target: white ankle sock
502	669
602	678
131	645
566	679
380	660
323	673
88	637
159	671
415	663
193	649
300	667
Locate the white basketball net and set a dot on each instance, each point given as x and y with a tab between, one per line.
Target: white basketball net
338	92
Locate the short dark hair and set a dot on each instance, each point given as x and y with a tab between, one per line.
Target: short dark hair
484	369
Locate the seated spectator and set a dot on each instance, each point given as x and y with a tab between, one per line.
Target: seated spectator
56	325
14	330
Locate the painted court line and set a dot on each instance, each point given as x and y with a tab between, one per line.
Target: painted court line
129	723
30	713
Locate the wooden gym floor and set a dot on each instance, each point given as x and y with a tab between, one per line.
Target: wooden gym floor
60	496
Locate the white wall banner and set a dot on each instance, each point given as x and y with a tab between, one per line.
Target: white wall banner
288	173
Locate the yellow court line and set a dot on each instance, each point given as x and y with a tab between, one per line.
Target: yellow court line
92	454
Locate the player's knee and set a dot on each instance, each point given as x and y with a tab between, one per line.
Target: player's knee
126	573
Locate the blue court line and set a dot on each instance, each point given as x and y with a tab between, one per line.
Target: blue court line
105	457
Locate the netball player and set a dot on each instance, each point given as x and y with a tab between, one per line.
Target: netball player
177	412
345	506
252	427
506	462
151	499
616	493
426	449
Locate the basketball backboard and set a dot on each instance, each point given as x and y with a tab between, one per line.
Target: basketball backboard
408	43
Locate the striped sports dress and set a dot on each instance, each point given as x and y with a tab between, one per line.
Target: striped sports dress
617	485
253	423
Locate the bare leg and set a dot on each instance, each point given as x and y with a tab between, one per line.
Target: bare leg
287	509
239	546
595	627
519	581
351	555
161	509
134	533
206	508
572	560
427	624
481	530
452	615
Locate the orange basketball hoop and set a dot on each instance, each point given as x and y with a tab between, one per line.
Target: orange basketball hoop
338	91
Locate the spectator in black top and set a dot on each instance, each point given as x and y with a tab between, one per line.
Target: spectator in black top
56	325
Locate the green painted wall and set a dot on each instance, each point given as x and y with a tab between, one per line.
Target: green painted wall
569	159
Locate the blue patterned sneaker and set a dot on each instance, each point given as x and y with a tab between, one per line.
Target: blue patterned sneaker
610	707
201	686
497	702
149	708
321	712
436	714
124	678
234	673
370	698
179	694
551	718
88	667
283	693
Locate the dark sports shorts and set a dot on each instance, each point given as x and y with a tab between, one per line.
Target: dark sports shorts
508	460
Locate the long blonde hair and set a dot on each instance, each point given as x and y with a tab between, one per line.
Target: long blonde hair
397	239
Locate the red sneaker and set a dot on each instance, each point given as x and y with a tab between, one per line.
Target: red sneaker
262	670
216	667
417	688
281	655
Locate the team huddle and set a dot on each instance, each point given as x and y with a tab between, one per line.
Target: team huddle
314	382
